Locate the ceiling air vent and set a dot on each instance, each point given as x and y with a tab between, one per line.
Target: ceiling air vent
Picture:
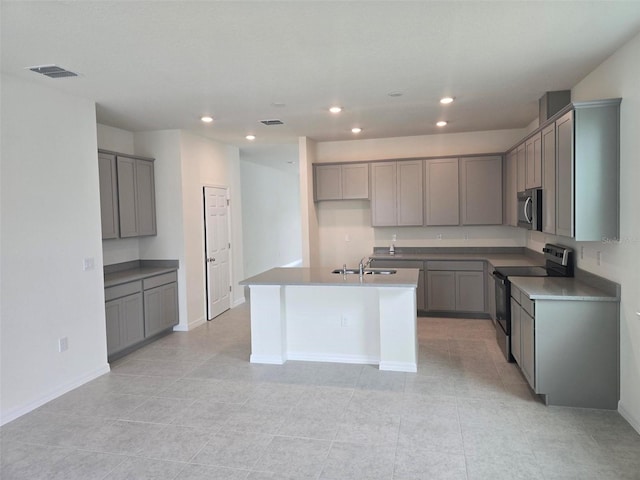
53	71
272	122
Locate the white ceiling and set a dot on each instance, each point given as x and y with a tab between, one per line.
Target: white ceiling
162	64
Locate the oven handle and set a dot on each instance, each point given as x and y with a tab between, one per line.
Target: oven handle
499	277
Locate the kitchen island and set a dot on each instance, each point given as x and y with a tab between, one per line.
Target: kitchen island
312	314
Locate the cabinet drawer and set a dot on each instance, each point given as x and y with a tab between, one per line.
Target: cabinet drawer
527	304
111	293
160	280
515	293
449	265
398	264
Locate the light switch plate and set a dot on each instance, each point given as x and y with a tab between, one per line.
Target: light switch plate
88	263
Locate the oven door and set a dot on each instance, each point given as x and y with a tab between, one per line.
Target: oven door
503	311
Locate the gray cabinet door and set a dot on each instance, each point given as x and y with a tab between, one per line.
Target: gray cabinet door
355	181
127	197
383	194
491	297
145	197
511	191
442	206
409	193
470	291
521	184
564	175
441	291
113	310
527	347
108	195
125	322
533	154
515	331
160	308
420	291
549	179
132	325
328	182
481	190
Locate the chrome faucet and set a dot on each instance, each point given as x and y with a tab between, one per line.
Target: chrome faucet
364	263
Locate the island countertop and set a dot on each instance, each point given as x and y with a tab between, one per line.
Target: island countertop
404	277
559	288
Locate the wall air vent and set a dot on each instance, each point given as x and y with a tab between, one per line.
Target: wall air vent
272	122
53	71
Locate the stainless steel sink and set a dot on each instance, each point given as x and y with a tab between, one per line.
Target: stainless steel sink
355	271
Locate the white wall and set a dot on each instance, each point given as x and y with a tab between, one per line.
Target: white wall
271	207
206	162
50	222
619	76
117	250
345	233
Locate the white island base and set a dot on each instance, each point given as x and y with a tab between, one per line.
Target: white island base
350	323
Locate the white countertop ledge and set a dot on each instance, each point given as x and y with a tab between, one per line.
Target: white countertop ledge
557	288
403	278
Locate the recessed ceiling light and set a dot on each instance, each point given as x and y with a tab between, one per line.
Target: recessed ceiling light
441	123
395	94
278	104
356	130
446	100
335	109
250	137
206	119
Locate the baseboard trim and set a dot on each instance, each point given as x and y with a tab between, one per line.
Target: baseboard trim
237	302
190	325
14	413
269	359
628	416
399	367
333	358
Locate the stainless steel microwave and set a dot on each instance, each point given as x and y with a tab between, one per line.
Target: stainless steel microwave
530	209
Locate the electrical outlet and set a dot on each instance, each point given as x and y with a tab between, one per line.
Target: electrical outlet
439	236
344	321
394	237
598	257
466	236
63	344
88	263
582	253
347	238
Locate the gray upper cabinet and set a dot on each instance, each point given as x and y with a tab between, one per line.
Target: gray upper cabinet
521	184
564	175
108	195
442	206
549	179
510	188
533	161
341	182
355	181
481	190
136	196
396	193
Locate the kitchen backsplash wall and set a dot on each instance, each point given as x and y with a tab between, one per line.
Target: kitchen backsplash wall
346	234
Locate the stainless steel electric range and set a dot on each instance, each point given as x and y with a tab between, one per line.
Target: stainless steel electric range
558	263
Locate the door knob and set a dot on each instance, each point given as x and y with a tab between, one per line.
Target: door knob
211	259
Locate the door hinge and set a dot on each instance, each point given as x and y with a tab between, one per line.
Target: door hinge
228	202
229	287
229	245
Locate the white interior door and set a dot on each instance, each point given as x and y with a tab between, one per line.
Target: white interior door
217	251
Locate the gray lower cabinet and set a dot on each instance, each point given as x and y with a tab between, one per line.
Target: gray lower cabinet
481	190
124	316
108	195
455	286
136	311
568	350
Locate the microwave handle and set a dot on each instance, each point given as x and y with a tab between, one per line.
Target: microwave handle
527	203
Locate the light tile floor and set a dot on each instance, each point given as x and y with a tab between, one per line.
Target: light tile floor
191	406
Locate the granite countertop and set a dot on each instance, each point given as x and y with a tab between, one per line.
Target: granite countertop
495	259
556	288
405	277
